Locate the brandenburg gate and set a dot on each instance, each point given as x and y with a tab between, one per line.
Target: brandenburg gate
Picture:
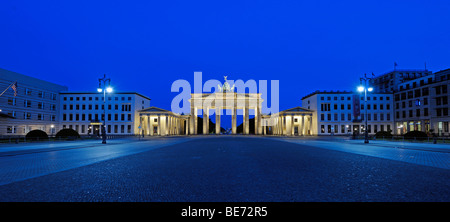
225	100
291	122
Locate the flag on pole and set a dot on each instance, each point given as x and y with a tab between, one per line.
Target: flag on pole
14	87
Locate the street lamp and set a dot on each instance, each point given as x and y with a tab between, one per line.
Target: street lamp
365	88
104	88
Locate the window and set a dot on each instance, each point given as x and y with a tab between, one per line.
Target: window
28	92
27	103
325	107
425	91
11	129
12	101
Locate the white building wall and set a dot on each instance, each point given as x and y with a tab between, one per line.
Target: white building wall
337	118
36	105
80	109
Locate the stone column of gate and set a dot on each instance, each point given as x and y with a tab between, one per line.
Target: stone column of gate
218	120
256	120
233	120
195	123
303	124
205	120
292	125
159	125
247	121
192	119
310	125
260	125
149	126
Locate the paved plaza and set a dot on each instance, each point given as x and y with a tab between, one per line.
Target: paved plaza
225	168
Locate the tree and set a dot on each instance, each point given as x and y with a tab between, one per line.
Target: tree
36	135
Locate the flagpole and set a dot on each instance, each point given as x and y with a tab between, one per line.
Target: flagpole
7	88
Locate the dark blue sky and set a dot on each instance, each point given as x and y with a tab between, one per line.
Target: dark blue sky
144	46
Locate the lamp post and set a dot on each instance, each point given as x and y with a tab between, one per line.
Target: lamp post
104	88
365	88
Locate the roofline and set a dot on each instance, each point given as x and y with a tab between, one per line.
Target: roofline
90	92
338	92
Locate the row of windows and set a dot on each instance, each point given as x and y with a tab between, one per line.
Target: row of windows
92	130
418	113
412	94
412	113
349	128
125	107
39	94
327	106
26	129
30	104
94	117
414	84
32	116
416	102
335	98
348	117
94	98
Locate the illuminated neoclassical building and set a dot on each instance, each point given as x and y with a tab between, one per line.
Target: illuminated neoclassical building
293	122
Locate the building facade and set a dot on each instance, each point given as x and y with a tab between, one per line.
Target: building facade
389	82
343	113
422	104
85	112
35	106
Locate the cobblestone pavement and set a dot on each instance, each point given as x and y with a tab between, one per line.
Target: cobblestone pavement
435	155
224	169
24	161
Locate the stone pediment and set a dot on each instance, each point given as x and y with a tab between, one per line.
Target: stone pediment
297	109
154	109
